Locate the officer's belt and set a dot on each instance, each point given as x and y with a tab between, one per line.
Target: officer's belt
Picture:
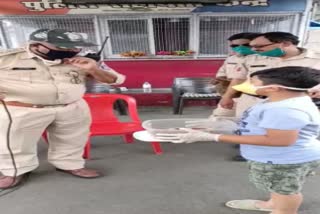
29	105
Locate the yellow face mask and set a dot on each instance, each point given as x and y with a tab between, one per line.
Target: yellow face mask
248	88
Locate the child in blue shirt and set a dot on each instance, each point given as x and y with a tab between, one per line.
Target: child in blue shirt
278	137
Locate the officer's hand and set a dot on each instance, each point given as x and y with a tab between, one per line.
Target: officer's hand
226	102
83	63
315	91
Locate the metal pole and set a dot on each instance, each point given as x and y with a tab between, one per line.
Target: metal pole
4	41
305	21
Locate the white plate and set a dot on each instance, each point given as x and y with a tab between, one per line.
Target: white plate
146	136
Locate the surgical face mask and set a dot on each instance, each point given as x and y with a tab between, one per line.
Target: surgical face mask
243	50
277	52
58	54
248	88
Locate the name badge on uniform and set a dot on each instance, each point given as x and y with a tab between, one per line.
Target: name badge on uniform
23	68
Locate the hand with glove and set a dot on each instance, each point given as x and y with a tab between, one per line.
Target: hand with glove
190	136
224	125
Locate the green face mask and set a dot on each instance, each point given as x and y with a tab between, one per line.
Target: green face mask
243	50
277	52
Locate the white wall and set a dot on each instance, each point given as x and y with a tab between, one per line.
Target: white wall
313	40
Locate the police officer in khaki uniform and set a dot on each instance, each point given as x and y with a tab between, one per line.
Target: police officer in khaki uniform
239	43
42	86
274	49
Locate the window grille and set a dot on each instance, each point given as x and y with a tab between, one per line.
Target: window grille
17	29
214	30
128	35
149	33
171	34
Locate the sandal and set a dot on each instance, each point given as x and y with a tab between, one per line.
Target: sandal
8	182
246	205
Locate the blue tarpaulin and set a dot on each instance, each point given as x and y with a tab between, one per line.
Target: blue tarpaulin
314	24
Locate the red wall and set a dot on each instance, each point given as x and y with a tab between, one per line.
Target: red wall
160	73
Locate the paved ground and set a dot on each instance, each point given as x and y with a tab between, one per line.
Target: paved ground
187	179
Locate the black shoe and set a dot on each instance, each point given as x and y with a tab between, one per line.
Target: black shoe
237	146
239	158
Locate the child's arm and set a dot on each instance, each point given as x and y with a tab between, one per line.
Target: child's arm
281	126
272	138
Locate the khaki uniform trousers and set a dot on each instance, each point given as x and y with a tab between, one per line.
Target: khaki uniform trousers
67	128
222	112
241	105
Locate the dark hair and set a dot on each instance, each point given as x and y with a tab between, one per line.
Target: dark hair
249	36
281	37
290	76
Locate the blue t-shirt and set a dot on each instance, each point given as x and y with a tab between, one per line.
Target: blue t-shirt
291	114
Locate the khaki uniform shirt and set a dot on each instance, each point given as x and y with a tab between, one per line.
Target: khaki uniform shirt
228	69
26	77
253	63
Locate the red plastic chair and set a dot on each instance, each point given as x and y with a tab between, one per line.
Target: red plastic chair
105	122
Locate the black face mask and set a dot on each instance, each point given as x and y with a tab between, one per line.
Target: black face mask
55	54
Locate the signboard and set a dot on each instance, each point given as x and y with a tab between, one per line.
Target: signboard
256	6
53	7
57	7
143	1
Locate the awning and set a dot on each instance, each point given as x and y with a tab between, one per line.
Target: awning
256	6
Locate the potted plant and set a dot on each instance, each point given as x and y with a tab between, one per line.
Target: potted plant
176	53
133	54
